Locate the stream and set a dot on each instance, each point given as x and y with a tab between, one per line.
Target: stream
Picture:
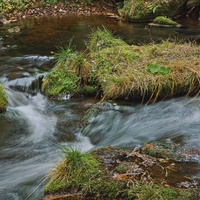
34	129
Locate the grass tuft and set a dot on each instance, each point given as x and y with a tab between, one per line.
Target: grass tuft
81	173
68	76
103	38
3	99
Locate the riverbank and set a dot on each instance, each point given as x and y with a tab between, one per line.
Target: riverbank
112	173
62	9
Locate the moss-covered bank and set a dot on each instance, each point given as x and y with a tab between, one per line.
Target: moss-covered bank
115	70
3	99
112	173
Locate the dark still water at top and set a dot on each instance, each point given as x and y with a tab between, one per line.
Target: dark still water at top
34	128
43	35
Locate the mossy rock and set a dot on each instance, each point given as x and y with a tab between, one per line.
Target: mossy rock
164	20
3	99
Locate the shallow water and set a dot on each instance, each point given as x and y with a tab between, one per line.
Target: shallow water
34	129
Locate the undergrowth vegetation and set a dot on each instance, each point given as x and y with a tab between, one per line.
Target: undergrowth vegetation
14	6
3	99
119	71
145	10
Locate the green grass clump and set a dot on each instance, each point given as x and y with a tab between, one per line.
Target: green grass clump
68	76
115	70
3	99
103	38
147	73
164	20
81	173
149	191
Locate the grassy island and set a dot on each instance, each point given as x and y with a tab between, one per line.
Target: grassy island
115	70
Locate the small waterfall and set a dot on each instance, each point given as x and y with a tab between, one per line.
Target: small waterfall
29	132
136	125
33	109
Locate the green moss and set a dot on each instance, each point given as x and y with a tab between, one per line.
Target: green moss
164	20
66	76
161	149
90	90
152	191
3	99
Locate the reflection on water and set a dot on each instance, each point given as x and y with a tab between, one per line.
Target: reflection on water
42	35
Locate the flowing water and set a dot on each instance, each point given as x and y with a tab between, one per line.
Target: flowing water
34	129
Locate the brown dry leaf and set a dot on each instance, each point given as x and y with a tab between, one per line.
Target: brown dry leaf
149	146
120	177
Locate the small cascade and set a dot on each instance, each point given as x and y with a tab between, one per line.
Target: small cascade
29	142
136	125
28	85
33	109
25	73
